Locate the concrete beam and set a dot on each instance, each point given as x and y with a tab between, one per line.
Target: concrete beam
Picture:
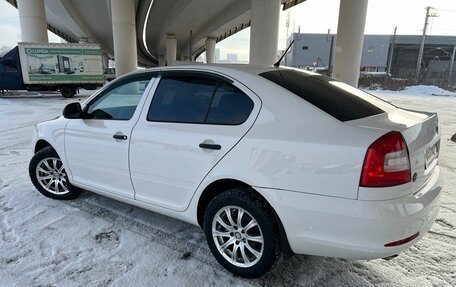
85	29
105	58
349	40
161	61
264	31
32	18
124	36
171	50
210	50
238	12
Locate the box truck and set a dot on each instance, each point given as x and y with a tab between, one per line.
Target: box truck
51	67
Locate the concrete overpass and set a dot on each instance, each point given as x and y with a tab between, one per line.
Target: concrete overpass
159	32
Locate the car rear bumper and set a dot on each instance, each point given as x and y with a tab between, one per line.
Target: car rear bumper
354	229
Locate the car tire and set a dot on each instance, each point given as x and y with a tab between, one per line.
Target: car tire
68	92
48	175
255	238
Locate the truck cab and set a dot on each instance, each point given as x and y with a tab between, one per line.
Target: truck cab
10	71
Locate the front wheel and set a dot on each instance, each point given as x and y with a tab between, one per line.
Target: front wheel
242	233
48	175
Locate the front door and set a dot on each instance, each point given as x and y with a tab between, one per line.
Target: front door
193	120
96	147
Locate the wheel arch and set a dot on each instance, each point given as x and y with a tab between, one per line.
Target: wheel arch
211	191
41	144
221	185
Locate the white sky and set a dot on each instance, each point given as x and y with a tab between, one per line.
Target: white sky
313	16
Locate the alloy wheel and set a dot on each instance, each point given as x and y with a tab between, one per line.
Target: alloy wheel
51	175
237	236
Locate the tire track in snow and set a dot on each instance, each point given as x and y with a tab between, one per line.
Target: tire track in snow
22	126
279	276
443	234
200	253
7	233
450	209
16	144
183	247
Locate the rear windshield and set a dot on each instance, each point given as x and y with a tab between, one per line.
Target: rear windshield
337	99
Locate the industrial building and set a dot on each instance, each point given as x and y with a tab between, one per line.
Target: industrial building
316	52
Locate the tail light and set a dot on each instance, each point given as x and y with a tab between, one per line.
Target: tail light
387	162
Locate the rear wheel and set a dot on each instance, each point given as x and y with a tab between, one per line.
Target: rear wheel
242	233
68	92
48	175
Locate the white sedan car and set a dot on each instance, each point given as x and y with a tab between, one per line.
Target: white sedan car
264	159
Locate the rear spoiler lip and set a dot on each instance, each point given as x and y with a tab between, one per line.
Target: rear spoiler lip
429	114
370	122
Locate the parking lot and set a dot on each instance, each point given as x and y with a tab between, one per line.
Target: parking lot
98	241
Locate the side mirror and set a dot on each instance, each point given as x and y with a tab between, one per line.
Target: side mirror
72	111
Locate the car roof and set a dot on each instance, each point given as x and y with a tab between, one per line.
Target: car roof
221	68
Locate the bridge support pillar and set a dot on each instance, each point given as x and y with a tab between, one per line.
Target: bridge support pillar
124	35
264	31
105	58
32	18
161	61
210	50
349	41
171	50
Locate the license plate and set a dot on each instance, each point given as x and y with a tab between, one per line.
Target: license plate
431	154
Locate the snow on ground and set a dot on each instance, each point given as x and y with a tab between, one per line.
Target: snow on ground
97	241
420	90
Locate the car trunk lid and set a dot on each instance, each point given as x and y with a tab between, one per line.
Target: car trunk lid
421	133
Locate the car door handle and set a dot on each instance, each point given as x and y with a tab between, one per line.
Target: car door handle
119	137
210	146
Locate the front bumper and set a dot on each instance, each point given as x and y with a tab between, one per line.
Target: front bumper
354	229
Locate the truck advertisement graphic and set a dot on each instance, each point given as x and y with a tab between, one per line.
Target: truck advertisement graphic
61	63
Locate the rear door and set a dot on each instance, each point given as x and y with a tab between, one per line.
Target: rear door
190	123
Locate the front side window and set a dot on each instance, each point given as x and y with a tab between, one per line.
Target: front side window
120	102
199	100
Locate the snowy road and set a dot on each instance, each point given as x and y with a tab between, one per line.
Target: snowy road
96	241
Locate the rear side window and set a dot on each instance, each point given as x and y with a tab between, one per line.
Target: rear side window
199	100
230	106
182	99
334	98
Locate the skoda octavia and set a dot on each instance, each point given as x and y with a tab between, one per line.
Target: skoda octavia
264	159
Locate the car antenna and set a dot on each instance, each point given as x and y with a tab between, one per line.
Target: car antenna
277	64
